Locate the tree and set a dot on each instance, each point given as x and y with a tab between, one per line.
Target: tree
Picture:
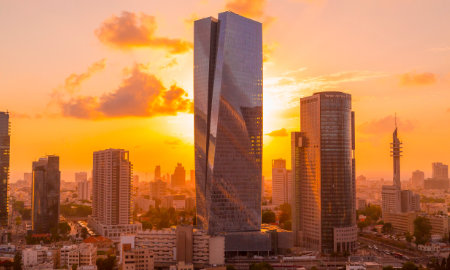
389	267
84	233
409	266
261	266
64	228
422	230
146	225
17	265
408	237
106	264
230	267
268	216
387	228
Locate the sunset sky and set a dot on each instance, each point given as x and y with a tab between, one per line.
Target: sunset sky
80	76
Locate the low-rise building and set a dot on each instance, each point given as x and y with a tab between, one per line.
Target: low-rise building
82	254
136	258
38	257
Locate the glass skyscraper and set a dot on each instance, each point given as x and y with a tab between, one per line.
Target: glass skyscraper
45	194
4	166
323	164
228	122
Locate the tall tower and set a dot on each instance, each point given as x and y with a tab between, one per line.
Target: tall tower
281	180
111	181
323	164
396	153
4	166
45	194
179	176
228	122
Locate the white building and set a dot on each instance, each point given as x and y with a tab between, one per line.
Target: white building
281	182
84	190
80	255
37	257
391	197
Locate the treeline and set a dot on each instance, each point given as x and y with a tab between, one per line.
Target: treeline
75	210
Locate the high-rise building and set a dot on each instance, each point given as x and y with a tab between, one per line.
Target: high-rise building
417	179
28	177
391	198
323	166
179	176
4	166
84	190
396	153
111	204
228	122
157	173
192	176
45	194
81	177
440	171
281	182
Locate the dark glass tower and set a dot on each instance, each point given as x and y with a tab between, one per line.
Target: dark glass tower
396	153
4	166
45	200
228	122
324	174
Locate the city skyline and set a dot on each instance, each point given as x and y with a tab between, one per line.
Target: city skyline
381	71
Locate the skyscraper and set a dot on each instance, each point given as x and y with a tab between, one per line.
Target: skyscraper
157	173
45	194
281	182
4	166
228	122
323	164
112	187
179	176
111	194
396	153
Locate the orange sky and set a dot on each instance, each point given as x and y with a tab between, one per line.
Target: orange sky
80	77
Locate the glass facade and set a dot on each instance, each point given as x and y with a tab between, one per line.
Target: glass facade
228	122
323	164
4	166
45	199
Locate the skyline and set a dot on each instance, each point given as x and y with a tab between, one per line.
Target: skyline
380	71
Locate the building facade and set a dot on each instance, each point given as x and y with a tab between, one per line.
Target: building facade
111	204
4	166
45	194
84	190
281	183
81	255
417	179
158	189
324	174
439	170
228	122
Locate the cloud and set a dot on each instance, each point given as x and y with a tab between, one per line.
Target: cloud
130	30
386	125
139	95
248	8
417	79
267	51
74	80
278	133
173	62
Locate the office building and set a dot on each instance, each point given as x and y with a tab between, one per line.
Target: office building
396	153
439	170
157	173
45	194
409	201
391	197
323	167
179	176
281	183
4	166
111	204
158	189
228	122
417	179
136	258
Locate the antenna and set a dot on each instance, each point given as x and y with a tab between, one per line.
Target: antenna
395	117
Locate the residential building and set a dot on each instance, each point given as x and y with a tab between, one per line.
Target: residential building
179	176
136	258
84	190
81	177
80	255
323	167
281	183
38	257
111	204
228	122
45	194
5	134
157	173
